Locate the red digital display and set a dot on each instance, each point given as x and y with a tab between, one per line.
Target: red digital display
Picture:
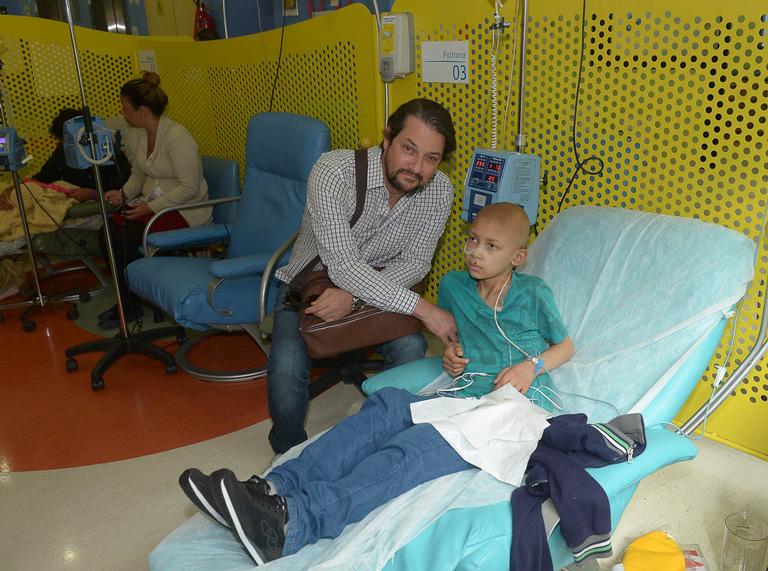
480	163
495	167
491	178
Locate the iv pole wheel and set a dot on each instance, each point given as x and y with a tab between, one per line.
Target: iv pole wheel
170	369
73	314
97	381
28	325
71	365
84	297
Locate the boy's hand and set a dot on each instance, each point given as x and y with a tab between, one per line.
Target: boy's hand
519	376
454	362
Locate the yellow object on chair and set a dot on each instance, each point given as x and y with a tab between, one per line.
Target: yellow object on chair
654	551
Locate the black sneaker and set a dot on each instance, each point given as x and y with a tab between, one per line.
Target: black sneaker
113	321
257	520
197	487
110	313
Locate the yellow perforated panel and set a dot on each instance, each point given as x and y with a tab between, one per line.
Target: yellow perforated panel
673	101
39	78
326	71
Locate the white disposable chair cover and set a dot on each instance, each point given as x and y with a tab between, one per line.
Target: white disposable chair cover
638	293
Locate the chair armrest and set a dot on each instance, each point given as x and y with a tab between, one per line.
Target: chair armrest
269	272
410	376
186	206
243	266
189	237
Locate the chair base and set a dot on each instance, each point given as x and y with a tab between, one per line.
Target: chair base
36	303
120	345
213	375
103	287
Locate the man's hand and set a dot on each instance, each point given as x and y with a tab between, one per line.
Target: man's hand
332	305
519	376
454	362
437	320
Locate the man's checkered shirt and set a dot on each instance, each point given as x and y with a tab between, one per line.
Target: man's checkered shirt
402	240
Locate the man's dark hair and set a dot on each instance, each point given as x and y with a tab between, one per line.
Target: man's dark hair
57	125
432	113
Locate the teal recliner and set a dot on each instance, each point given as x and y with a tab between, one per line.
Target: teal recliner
204	293
645	298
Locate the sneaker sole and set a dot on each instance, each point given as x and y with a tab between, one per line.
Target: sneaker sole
198	498
255	553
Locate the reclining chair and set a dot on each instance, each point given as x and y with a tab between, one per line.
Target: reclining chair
645	297
226	294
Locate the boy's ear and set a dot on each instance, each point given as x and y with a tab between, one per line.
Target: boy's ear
520	257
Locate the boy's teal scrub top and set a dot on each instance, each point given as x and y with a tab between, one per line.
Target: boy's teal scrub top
529	317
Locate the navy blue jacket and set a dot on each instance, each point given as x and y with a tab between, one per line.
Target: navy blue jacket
556	470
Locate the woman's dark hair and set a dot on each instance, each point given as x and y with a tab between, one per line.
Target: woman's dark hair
432	113
57	125
147	92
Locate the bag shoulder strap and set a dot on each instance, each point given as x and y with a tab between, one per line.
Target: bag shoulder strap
361	185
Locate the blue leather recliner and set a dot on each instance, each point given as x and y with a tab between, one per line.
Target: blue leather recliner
204	293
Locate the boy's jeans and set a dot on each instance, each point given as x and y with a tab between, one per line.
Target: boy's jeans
361	463
288	373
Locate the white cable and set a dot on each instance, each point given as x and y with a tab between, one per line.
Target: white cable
258	11
86	157
511	68
494	102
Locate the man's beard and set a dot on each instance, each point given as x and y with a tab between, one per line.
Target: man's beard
393	180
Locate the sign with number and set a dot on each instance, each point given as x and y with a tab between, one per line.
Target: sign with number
445	62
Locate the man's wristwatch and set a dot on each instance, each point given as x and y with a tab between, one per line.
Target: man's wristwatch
357	303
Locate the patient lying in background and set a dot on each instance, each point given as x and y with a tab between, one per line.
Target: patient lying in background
379	453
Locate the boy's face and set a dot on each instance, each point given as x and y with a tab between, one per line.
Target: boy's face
493	248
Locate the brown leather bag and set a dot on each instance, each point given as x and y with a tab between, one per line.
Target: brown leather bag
364	327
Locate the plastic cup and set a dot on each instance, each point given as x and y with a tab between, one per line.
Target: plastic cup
745	543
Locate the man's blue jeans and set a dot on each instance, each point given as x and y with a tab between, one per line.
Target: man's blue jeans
359	464
288	373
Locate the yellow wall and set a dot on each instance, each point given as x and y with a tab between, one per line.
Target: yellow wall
674	99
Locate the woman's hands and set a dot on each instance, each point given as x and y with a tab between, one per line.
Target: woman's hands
114	197
454	362
134	210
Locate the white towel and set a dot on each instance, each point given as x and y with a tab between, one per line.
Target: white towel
497	432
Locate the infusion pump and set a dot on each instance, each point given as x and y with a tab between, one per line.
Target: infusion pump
12	154
501	176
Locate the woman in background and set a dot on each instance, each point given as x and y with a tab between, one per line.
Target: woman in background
166	170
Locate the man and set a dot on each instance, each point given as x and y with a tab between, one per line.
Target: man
407	204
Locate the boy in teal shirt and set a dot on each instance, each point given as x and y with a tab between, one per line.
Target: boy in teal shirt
524	336
379	453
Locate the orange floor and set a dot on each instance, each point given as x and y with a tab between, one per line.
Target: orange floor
50	418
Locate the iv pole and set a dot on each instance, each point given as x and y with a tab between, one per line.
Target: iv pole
123	343
39	300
